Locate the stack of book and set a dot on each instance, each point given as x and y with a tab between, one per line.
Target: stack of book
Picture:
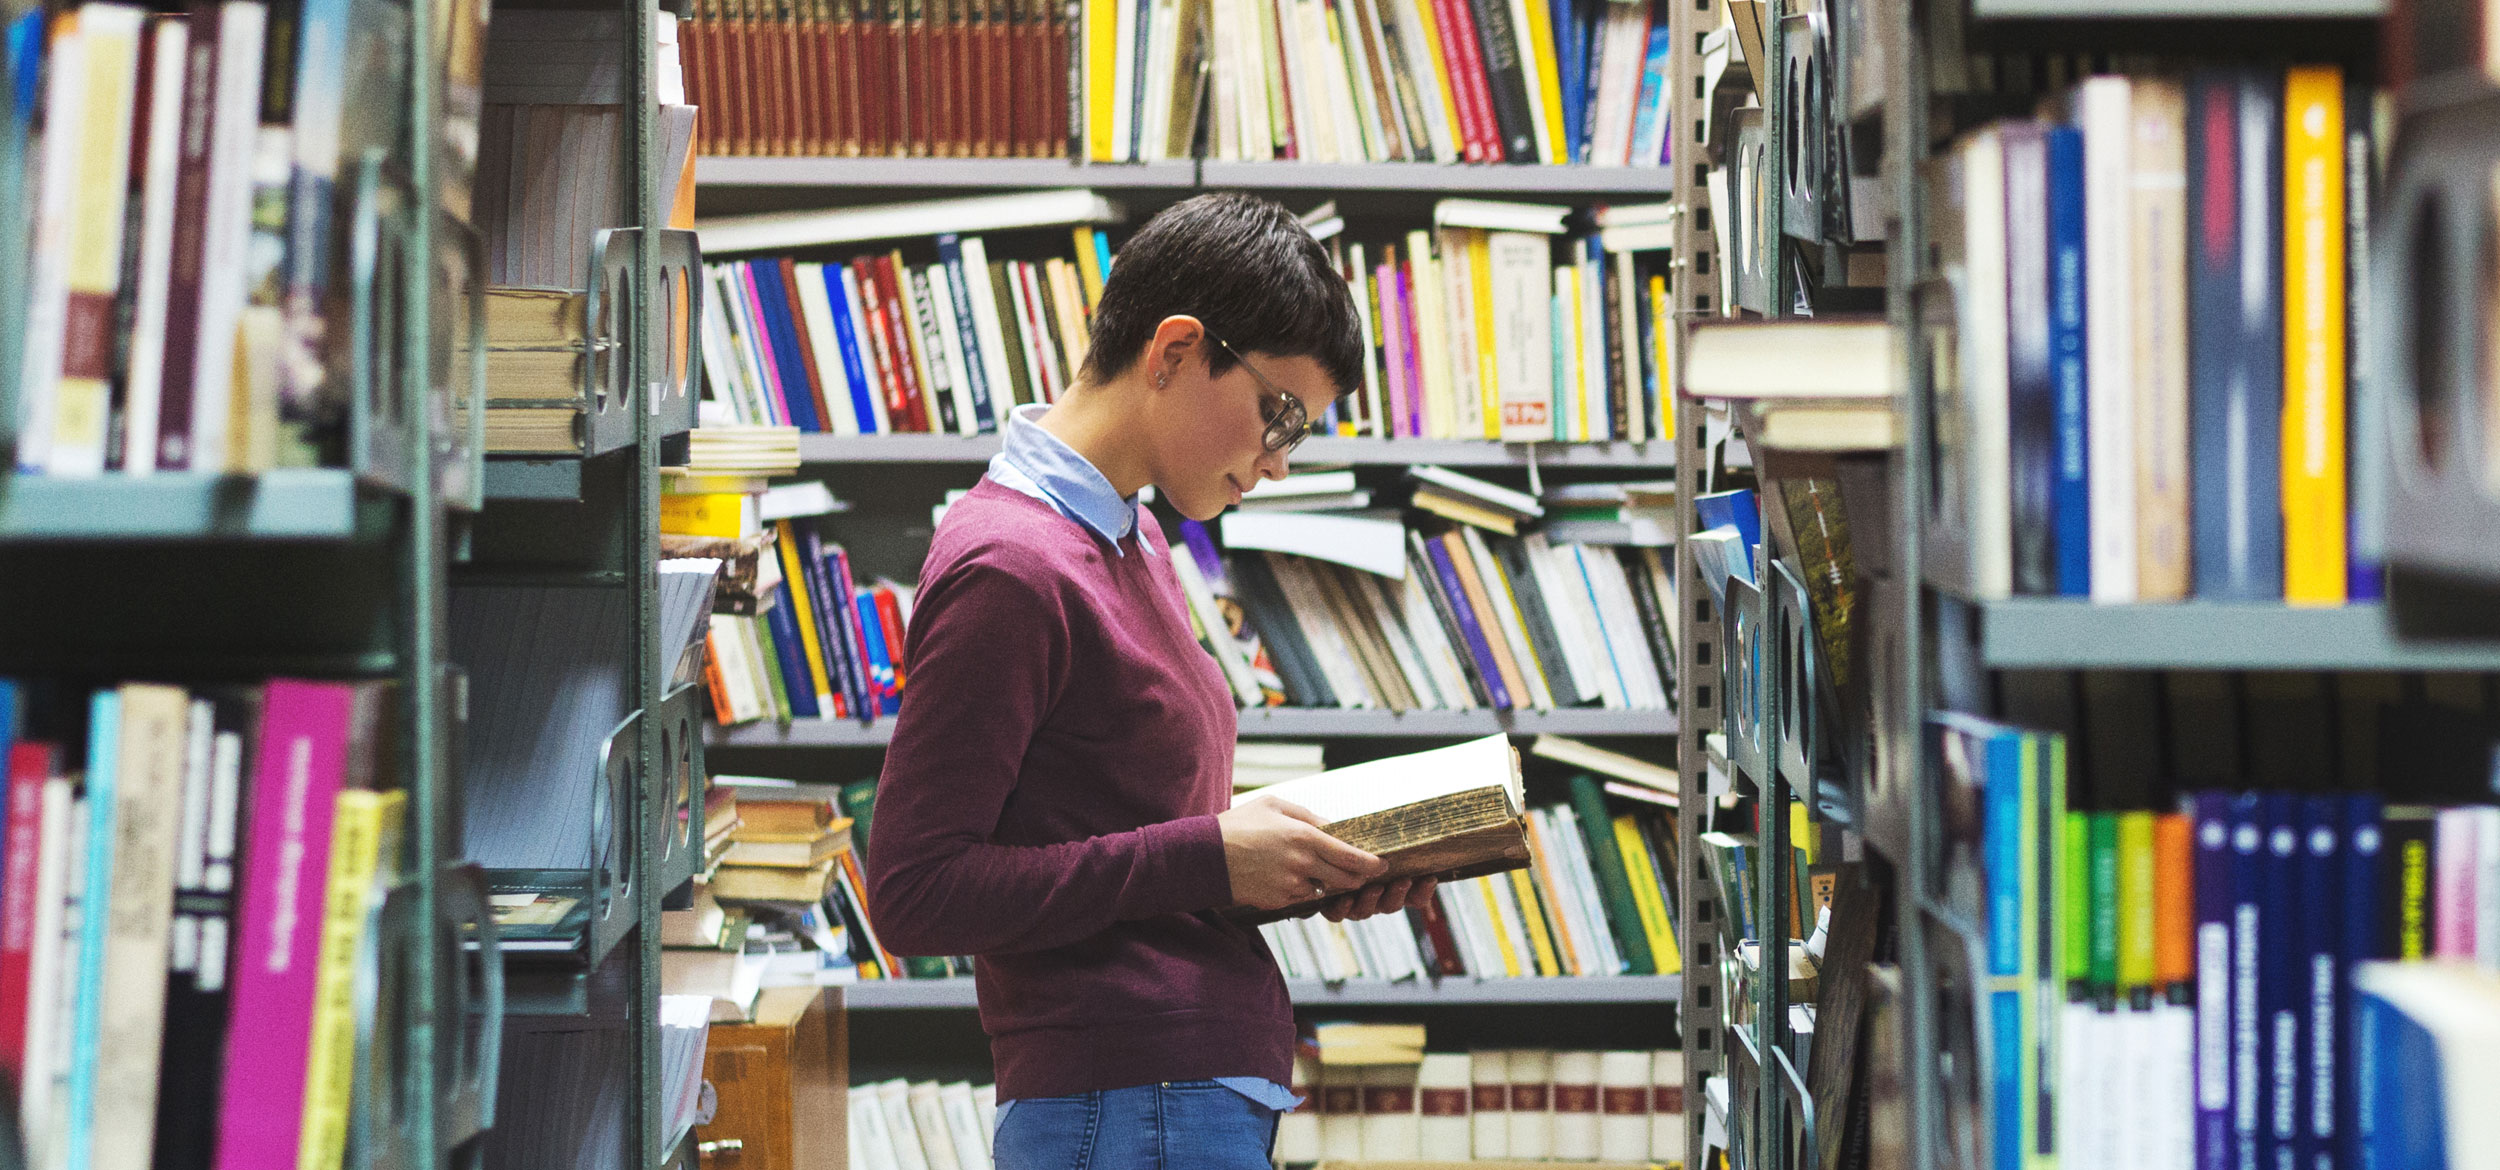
156	836
2153	295
785	849
186	300
900	1123
2174	984
1354	81
971	79
538	345
1619	1108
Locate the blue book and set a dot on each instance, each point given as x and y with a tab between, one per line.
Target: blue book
2031	394
880	663
2249	935
854	370
1740	508
1562	368
2280	989
1656	56
837	582
1479	649
2403	1114
798	395
2235	338
951	254
21	88
94	914
782	619
2214	867
2070	504
2318	950
2357	936
1993	756
2365	438
1102	251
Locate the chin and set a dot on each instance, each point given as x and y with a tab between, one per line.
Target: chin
1202	509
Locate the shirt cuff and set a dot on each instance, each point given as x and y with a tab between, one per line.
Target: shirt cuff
1182	869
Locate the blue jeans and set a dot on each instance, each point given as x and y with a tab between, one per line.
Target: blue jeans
1177	1125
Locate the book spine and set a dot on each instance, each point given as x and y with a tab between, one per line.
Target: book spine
804	340
1623	916
2357	903
1505	78
2031	396
937	385
301	769
2215	927
2366	459
2109	292
845	317
2070	506
797	685
1479	641
2314	571
834	625
30	767
2318	953
2234	394
109	41
913	397
365	833
128	941
2281	990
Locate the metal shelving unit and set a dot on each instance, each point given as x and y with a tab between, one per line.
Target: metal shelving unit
282	505
2051	634
819	449
956	994
2185	9
1263	723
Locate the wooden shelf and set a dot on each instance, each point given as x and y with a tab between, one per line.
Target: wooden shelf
1264	723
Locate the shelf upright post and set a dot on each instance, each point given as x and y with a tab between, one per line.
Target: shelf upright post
645	839
426	589
1771	87
1700	1008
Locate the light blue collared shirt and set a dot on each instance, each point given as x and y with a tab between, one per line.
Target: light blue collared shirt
1045	467
1041	465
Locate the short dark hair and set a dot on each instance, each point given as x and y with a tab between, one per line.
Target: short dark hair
1247	270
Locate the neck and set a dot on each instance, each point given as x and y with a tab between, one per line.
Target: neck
1101	423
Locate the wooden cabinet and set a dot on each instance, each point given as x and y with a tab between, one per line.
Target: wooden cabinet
783	1084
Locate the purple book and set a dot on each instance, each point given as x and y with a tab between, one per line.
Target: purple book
2213	867
1478	650
302	764
837	563
1414	355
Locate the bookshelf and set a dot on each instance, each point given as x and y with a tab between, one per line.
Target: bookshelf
1322	450
2047	634
1265	723
1182	178
1626	990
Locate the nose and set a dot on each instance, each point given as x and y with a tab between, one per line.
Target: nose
1273	465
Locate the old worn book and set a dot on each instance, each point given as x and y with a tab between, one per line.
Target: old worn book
755	883
535	318
1453	812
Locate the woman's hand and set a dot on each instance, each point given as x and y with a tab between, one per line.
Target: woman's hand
1380	898
1277	856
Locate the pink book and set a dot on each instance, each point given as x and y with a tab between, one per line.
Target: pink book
30	764
2453	852
763	344
1392	329
301	763
1414	351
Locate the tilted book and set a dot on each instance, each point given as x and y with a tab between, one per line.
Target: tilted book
1453	812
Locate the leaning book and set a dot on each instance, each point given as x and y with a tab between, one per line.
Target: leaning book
1453	812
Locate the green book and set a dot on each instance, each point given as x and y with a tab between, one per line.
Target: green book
2074	902
859	799
2103	860
1623	915
2135	909
774	688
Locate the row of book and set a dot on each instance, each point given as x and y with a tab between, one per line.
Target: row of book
184	252
1345	611
803	639
922	1125
155	834
1597	899
1523	1104
1479	81
2176	987
954	78
2157	293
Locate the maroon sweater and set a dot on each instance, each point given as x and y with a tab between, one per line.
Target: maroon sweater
1049	803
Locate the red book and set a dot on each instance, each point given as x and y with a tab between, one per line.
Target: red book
808	92
890	609
29	765
807	351
894	320
842	75
890	76
919	89
694	41
1289	144
1462	54
980	72
1445	956
1055	70
881	352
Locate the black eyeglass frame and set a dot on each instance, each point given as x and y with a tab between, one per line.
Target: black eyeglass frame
1288	424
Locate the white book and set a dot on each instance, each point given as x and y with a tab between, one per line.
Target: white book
784	230
720	370
987	329
1506	616
1381	67
1666	1106
234	137
1628	295
1357	542
47	262
1223	82
1326	638
1126	77
2486	885
1442	1095
1341	1121
1567	596
1392	1128
816	323
1531	1103
1582	591
1458	302
876	1142
2174	1029
1163	33
1597	419
1571	631
1570	400
1312	140
950	347
1500	215
1621	617
1042	355
1488	1119
1419	679
937	1138
1424	622
1575	1106
1623	1089
1523	333
1359	283
1258	29
1431	84
985	1099
1346	52
1328	65
1431	324
109	38
63	828
963	1121
927	357
861	340
1297	1131
54	1058
1621	37
2102	111
894	1101
1584	883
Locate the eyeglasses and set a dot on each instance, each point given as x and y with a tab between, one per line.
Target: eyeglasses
1287	422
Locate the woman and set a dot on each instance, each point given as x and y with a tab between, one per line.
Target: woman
1055	799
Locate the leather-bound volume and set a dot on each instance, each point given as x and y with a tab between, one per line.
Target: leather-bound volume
915	96
737	77
842	35
980	66
996	82
782	1083
814	92
692	34
825	58
1055	141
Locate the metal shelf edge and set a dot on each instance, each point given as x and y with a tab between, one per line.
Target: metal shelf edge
956	994
1264	723
2059	634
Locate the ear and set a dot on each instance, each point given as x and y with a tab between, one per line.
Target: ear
1175	343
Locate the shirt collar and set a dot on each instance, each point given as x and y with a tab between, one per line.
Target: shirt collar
1068	481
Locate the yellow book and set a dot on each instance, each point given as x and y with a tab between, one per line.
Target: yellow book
1432	340
1500	931
1068	300
1089	267
1662	341
1571	389
803	614
1102	54
1550	877
2313	336
1438	89
2136	944
1488	368
1533	910
364	833
1547	78
1647	895
707	514
106	38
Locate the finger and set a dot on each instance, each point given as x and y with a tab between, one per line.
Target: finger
1370	900
1421	895
1332	878
1335	908
1398	896
1346	857
1297	812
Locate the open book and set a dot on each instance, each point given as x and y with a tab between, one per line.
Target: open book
1453	812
